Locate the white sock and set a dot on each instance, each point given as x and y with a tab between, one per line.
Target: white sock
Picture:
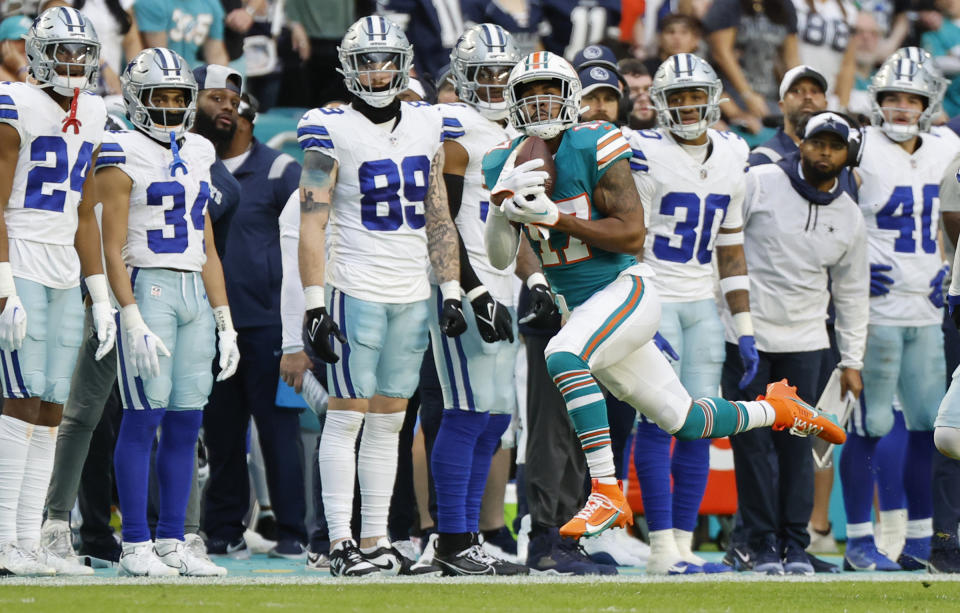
14	443
684	540
859	530
337	459
600	465
759	413
663	543
920	528
893	523
377	470
33	490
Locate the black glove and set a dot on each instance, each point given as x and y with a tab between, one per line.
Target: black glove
542	307
493	320
320	327
452	321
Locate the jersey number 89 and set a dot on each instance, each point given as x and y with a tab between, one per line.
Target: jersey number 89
380	186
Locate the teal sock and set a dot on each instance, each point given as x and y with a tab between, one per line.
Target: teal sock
587	408
716	418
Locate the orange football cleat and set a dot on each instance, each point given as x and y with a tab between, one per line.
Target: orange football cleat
801	418
606	507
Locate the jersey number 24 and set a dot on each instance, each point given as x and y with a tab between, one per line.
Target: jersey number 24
40	176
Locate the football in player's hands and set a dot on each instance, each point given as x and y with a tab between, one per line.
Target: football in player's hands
452	321
320	326
535	148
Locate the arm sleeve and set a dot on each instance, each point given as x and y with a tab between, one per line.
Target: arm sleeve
850	288
152	15
292	303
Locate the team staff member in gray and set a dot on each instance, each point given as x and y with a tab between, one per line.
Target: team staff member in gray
253	273
800	228
91	389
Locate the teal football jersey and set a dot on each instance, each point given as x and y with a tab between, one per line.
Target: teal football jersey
574	269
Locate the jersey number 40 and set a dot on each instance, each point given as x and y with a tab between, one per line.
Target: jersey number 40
906	222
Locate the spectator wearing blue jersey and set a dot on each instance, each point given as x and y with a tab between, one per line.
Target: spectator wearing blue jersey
192	28
253	274
524	20
431	26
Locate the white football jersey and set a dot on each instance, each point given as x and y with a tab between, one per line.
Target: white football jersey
53	163
167	207
685	203
477	134
823	36
900	201
376	243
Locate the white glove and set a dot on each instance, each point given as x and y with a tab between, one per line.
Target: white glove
539	209
229	353
13	324
521	178
227	342
143	345
105	323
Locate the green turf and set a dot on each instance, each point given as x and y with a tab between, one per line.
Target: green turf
490	597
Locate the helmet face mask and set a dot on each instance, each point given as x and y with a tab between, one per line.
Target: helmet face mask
909	77
151	106
63	51
480	66
679	73
375	60
553	106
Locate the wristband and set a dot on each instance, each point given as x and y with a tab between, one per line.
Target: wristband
221	315
476	293
732	284
729	239
313	297
743	324
97	287
536	278
130	317
450	290
7	286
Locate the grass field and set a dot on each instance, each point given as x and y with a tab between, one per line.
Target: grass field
921	594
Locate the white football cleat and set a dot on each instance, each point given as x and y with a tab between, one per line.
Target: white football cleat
56	537
16	561
69	567
139	560
607	543
197	548
637	548
175	554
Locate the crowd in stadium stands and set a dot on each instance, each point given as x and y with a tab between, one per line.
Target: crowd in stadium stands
849	279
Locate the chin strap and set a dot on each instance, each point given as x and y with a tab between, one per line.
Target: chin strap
71	120
177	163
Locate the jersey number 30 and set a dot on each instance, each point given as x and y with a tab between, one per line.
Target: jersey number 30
686	227
40	176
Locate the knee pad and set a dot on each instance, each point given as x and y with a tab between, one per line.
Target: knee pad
947	441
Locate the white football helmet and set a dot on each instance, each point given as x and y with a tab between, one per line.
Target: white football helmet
158	68
480	62
686	71
905	75
375	44
922	56
543	115
63	38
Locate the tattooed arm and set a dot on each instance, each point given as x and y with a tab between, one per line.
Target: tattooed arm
317	181
441	232
731	262
622	230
